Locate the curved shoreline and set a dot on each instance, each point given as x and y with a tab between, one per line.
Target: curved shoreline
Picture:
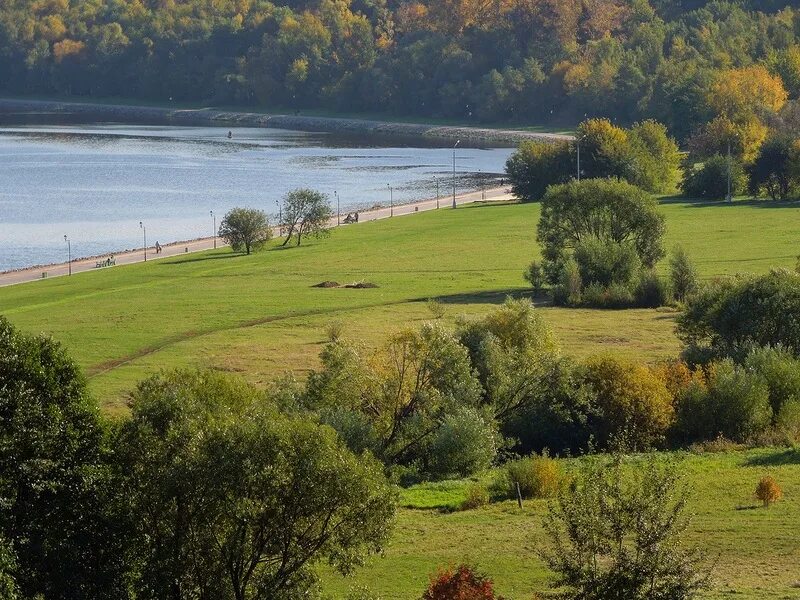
174	249
209	116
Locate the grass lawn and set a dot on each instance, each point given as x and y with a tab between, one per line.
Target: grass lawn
260	316
756	550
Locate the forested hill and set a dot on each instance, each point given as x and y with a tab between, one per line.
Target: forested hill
534	61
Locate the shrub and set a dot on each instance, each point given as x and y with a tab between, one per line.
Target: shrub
768	491
618	533
435	307
334	330
568	290
537	476
465	443
780	371
652	291
535	166
710	180
554	414
773	172
613	212
632	401
731	316
477	497
739	405
682	274
616	295
354	428
534	275
734	403
787	421
460	583
606	262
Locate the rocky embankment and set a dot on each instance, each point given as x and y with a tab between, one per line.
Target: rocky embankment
210	116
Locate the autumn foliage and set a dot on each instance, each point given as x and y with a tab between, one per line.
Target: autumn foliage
768	490
460	583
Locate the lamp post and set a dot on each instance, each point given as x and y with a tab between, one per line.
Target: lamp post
436	179
214	228
144	235
338	209
69	253
280	217
391	200
454	172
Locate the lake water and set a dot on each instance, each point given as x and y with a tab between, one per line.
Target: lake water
96	183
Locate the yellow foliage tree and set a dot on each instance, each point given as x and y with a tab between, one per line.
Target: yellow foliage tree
66	48
632	399
740	94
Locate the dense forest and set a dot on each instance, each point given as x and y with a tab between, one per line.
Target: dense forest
483	60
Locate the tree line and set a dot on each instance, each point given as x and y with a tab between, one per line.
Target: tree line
543	61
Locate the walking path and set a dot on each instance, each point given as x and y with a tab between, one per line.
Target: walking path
178	248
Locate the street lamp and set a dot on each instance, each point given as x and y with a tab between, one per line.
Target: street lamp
454	172
214	228
144	234
280	217
69	253
338	209
436	179
391	200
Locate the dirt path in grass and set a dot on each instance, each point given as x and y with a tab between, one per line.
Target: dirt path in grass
82	265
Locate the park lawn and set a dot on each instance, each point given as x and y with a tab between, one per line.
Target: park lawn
756	551
260	316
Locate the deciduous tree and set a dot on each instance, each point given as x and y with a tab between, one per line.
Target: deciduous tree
245	229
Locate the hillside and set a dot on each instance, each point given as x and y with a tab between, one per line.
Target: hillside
260	316
471	60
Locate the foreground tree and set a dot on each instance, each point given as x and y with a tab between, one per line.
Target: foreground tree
233	500
305	213
601	210
52	476
245	229
617	534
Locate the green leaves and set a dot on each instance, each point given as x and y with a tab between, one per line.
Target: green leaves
230	497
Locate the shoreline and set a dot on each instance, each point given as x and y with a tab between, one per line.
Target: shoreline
132	114
182	248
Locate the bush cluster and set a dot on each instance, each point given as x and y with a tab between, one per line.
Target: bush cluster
644	155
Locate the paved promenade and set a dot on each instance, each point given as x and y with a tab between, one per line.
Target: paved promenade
179	248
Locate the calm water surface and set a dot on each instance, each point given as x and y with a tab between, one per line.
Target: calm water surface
96	183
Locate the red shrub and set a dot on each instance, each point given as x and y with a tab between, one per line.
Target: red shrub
462	583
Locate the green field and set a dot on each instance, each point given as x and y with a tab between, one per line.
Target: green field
260	316
756	551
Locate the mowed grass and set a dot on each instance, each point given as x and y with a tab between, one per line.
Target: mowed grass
260	316
755	552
